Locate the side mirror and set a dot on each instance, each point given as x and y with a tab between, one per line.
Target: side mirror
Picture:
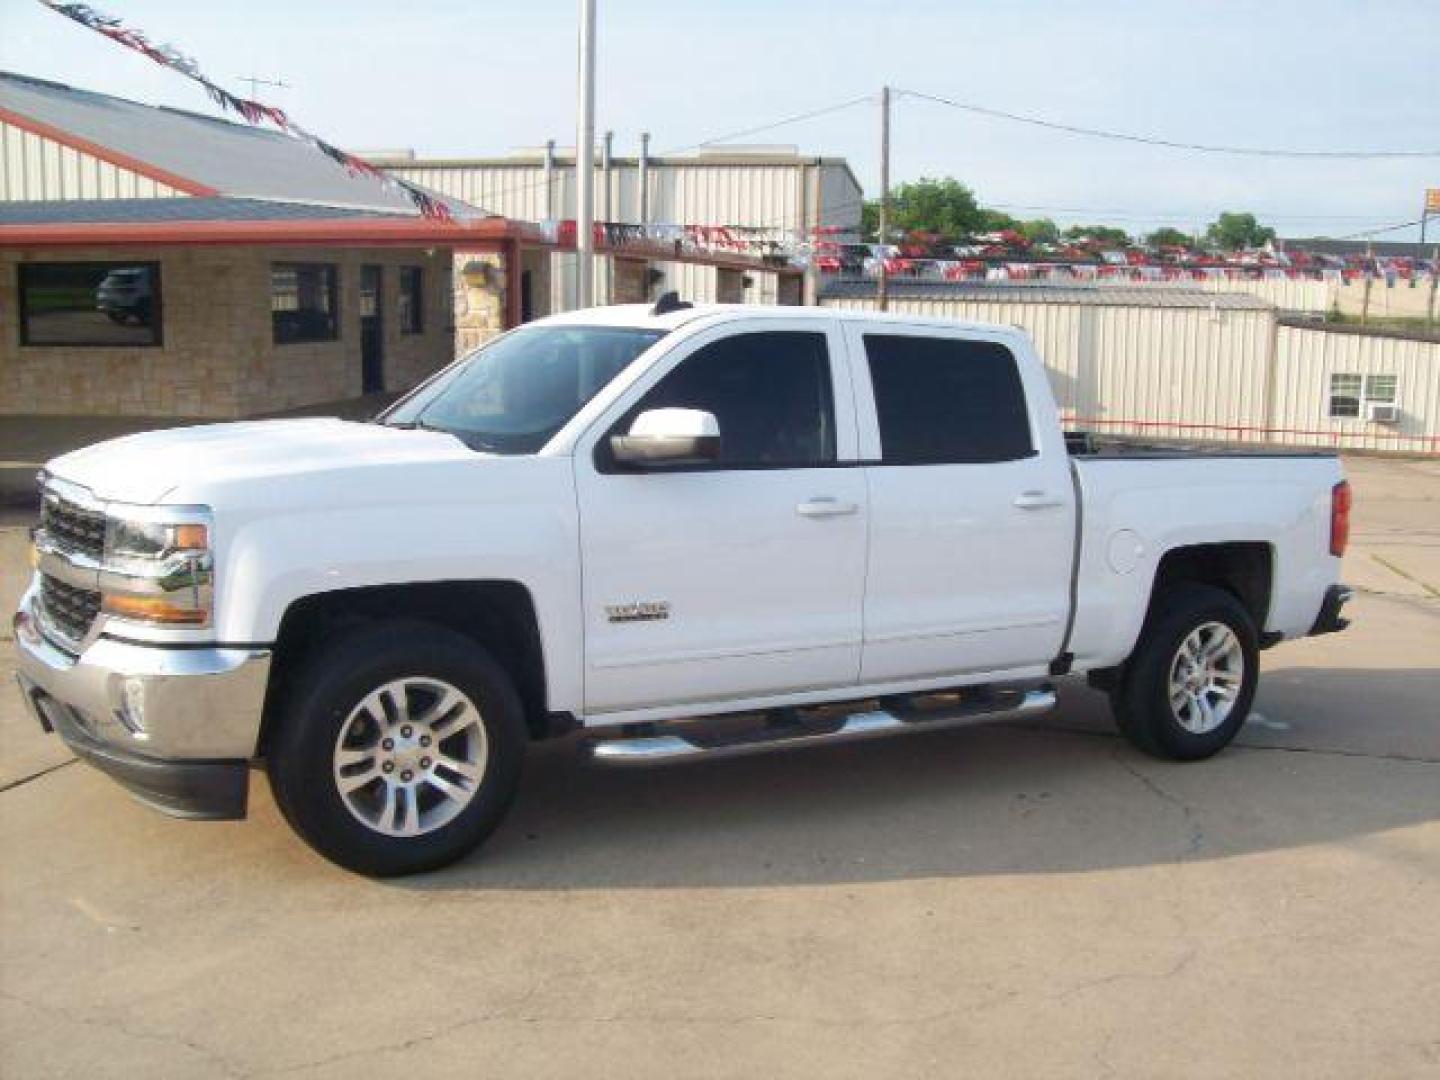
660	437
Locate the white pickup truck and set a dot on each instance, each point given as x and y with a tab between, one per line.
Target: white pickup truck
686	531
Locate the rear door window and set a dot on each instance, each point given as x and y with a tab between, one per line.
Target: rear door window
947	400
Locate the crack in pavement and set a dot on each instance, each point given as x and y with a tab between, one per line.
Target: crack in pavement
37	775
225	1065
1197	834
1055	729
520	1015
1184	961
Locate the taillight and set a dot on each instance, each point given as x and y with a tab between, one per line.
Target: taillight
1339	517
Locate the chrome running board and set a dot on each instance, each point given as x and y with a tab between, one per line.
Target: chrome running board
902	716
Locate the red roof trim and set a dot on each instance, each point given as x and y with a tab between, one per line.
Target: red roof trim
104	153
341	231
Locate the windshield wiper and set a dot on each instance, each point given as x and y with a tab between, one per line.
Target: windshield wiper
414	425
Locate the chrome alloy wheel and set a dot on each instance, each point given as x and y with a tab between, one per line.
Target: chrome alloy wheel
410	757
1206	677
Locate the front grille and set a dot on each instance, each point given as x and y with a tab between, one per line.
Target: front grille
68	610
71	527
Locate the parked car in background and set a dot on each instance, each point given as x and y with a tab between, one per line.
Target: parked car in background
126	295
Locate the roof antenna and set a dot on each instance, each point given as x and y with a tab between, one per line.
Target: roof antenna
669	302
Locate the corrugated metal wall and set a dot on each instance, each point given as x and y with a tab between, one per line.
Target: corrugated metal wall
34	168
1194	373
1130	369
1305	360
1283	293
779	195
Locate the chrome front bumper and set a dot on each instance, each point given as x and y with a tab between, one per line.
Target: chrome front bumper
155	718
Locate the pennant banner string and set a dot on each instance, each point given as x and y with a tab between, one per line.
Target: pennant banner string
253	112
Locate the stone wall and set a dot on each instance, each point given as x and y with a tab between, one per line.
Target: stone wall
218	358
479	283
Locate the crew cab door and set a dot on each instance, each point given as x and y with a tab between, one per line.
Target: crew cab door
740	578
972	509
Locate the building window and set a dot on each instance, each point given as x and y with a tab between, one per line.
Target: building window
302	302
1345	391
412	300
90	303
1380	389
1350	395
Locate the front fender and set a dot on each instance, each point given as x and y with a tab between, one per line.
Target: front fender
519	524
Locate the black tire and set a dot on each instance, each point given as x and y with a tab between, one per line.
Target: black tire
301	762
1141	698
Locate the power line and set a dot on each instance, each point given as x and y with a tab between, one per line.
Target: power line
812	114
1138	213
1376	232
799	117
1098	133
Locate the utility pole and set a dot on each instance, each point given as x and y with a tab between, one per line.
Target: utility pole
643	177
550	179
1434	281
882	292
607	150
1369	281
585	163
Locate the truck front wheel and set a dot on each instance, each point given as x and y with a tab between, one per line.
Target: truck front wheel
399	749
1186	690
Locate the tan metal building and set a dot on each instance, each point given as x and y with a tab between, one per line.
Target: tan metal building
776	189
1186	364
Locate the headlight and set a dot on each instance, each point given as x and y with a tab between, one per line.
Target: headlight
128	539
158	565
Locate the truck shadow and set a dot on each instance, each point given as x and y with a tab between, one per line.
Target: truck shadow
1335	755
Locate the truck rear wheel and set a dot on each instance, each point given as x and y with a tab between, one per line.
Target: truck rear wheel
1187	688
399	750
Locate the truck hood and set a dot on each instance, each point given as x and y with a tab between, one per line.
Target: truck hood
145	468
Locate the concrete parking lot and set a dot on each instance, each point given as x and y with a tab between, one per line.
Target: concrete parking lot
1012	900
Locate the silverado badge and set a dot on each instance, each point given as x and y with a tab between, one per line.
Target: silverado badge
640	611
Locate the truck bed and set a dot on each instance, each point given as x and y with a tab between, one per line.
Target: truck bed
1090	445
1188	496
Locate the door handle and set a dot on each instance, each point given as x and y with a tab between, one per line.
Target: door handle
1037	500
825	506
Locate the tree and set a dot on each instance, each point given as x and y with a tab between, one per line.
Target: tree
1104	236
944	207
993	221
1040	231
1168	237
1234	231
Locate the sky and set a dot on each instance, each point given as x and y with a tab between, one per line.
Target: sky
482	77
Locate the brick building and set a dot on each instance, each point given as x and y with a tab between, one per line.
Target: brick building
160	263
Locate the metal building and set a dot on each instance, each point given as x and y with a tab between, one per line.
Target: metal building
773	189
1186	364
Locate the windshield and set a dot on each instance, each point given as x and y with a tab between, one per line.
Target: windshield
512	395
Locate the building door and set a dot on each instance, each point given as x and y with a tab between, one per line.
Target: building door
527	295
372	331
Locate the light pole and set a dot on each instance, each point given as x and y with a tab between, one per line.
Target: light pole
882	289
585	163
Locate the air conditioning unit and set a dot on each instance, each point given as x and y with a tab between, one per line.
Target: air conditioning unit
1377	413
